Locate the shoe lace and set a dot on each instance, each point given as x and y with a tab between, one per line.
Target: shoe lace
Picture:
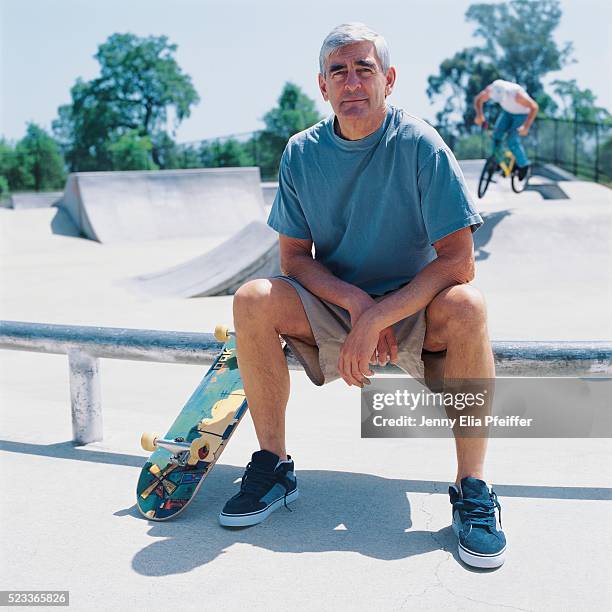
256	481
480	512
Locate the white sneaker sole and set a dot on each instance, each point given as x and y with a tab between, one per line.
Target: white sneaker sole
478	559
253	518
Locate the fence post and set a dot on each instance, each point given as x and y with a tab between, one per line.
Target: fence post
597	152
576	143
482	142
85	397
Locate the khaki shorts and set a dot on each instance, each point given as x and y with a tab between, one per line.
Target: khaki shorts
331	324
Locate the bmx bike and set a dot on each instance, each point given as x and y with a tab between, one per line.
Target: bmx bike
505	166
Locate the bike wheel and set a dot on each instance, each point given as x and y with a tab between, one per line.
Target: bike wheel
519	186
486	175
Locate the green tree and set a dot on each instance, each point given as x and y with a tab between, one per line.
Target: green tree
516	44
459	79
7	165
140	82
295	112
41	158
579	103
132	152
35	163
224	154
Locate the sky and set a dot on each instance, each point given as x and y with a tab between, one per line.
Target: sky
240	53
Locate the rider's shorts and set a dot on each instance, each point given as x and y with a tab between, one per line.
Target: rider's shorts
331	324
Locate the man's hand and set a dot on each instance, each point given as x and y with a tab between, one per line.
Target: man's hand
523	130
365	344
356	353
479	119
386	347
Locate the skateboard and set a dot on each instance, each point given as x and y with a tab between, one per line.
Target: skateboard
181	460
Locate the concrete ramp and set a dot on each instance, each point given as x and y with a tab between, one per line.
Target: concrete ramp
113	207
544	257
250	253
33	199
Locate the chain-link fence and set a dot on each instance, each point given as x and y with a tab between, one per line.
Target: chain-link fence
580	147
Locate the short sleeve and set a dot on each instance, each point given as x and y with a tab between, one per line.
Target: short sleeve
446	204
287	216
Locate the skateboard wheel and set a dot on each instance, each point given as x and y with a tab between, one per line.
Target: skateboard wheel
148	440
222	333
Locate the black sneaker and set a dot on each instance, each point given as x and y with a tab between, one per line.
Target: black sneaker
523	171
267	485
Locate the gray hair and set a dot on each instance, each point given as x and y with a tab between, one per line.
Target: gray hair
348	33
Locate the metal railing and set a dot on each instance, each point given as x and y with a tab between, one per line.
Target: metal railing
581	147
84	346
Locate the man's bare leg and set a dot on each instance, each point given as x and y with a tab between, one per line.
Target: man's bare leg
263	309
457	322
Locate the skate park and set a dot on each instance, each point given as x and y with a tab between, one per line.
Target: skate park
141	150
88	257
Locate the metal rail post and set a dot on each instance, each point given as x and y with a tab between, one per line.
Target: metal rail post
85	398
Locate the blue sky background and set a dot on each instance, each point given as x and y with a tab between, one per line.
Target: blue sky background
239	53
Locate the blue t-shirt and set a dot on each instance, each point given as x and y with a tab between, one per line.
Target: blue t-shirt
372	207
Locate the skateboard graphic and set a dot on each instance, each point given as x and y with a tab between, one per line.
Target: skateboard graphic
181	460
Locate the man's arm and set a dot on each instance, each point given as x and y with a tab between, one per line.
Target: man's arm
453	266
527	101
479	101
296	260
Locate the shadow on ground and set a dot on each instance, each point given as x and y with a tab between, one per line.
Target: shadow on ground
63	225
337	511
485	232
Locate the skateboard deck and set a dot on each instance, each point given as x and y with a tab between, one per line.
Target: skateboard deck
181	460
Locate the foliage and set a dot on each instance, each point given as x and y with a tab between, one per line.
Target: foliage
471	147
460	78
295	112
517	44
132	152
224	154
4	186
35	163
579	104
140	82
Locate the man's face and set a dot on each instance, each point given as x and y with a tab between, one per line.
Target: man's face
354	82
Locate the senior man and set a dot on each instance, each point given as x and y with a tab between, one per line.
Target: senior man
382	199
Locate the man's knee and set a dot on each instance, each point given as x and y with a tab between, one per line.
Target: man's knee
458	308
250	299
272	302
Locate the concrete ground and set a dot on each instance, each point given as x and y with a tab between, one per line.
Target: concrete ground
371	528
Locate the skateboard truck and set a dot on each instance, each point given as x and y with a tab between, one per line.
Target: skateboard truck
179	448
